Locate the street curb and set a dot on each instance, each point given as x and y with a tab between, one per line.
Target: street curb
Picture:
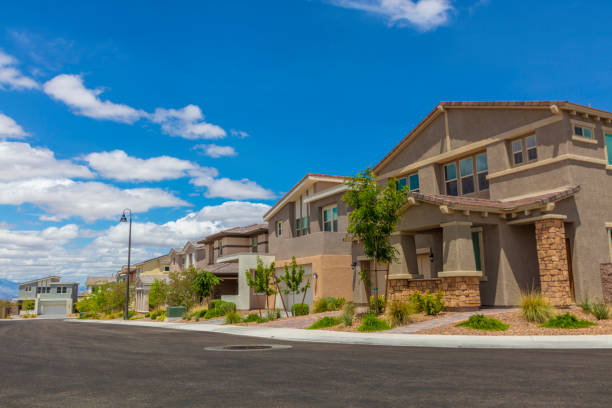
388	339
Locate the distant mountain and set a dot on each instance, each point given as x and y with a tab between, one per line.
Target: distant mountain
8	289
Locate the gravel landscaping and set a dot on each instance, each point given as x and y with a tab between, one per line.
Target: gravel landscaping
520	327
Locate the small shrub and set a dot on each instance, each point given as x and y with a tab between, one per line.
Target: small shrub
299	309
586	304
27	305
261	319
324	322
481	322
600	310
428	303
348	312
197	311
252	317
162	316
328	304
218	308
535	308
147	314
400	312
567	321
197	319
272	315
232	317
371	323
380	304
159	314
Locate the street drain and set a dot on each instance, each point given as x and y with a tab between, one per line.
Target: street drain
248	347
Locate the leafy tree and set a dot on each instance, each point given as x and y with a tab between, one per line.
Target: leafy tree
262	281
373	218
204	283
158	294
108	298
180	288
293	280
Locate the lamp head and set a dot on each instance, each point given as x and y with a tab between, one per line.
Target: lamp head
123	218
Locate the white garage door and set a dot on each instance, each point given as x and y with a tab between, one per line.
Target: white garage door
53	308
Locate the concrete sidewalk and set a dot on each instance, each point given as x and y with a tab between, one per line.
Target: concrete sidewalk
383	339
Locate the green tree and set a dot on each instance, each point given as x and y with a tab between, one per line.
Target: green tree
158	294
108	298
204	284
180	288
375	212
263	280
293	280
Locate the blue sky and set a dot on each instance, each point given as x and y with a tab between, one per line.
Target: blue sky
200	115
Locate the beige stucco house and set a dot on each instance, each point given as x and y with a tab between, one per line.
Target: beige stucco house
501	197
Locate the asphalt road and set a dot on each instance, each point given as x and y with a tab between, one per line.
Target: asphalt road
61	364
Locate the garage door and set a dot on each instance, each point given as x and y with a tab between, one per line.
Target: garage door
53	308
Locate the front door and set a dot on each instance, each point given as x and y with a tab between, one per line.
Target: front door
568	250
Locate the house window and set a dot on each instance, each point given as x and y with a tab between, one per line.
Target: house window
524	150
330	219
279	228
583	131
298	227
64	289
477	243
254	244
466	175
411	183
220	248
301	226
48	289
166	269
609	148
59	289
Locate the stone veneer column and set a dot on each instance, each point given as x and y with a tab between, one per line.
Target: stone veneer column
552	260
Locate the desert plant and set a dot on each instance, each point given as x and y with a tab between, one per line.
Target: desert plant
481	322
158	293
567	321
155	315
197	311
371	323
379	305
600	310
324	322
399	312
232	317
299	309
252	317
219	308
348	312
586	304
534	307
428	303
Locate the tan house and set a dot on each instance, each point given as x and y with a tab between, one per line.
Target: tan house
192	254
502	196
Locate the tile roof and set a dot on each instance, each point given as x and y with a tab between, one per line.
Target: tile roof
536	200
237	231
93	280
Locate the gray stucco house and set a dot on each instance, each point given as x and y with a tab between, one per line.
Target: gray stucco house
51	296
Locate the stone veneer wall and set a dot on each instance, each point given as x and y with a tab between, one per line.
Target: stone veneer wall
552	260
460	292
606	281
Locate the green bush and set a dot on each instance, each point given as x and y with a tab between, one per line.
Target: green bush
399	312
232	317
27	305
252	317
300	309
480	322
586	304
535	308
328	304
324	322
218	308
600	310
371	323
380	304
428	303
348	312
567	321
159	314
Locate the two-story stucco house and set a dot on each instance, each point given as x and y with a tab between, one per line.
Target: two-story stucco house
51	296
504	196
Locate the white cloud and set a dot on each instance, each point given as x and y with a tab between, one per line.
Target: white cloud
70	90
22	161
216	151
10	128
119	166
227	188
30	254
11	77
64	198
239	133
424	14
187	123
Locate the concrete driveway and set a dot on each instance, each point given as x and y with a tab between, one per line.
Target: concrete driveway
50	363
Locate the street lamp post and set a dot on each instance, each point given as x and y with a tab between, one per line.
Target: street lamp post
127	286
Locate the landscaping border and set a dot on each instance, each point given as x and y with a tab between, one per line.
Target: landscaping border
384	339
